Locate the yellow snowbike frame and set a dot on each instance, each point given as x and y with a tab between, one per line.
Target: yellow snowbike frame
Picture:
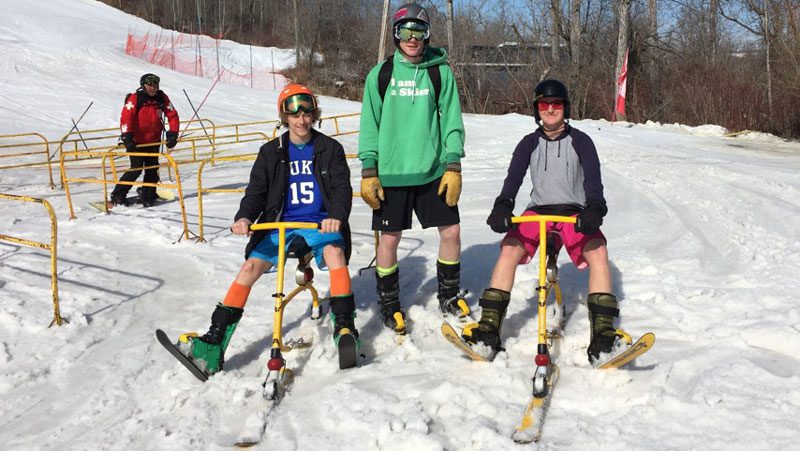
279	376
545	285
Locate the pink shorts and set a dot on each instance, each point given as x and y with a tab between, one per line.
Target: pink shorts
528	234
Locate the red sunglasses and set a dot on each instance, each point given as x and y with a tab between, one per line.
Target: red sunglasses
544	105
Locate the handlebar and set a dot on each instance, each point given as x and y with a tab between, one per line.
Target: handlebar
284	225
543	218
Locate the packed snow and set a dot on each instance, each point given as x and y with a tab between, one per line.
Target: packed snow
704	245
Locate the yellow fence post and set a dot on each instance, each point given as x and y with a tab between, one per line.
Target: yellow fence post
57	319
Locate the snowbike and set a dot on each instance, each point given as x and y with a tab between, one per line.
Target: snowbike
546	372
279	376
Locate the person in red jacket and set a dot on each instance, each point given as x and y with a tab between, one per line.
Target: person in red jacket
141	124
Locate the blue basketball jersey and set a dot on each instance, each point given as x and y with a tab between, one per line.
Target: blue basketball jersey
303	202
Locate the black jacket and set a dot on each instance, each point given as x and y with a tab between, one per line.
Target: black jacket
269	180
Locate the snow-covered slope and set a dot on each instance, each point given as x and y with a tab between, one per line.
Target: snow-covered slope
702	234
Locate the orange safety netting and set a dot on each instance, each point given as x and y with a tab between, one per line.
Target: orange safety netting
201	56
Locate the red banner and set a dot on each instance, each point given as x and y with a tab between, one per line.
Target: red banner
619	109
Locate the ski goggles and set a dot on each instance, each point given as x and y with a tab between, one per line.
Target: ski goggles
151	80
544	105
408	30
299	102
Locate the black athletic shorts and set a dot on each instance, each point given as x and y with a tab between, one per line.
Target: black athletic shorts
431	209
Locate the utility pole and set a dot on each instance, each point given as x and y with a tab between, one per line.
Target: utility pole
450	48
296	37
384	20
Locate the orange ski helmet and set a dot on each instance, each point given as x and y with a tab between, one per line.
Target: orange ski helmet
289	99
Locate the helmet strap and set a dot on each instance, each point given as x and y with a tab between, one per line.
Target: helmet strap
555	131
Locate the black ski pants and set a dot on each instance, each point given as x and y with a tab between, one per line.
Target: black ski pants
150	174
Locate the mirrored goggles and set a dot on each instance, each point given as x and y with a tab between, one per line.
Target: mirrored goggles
152	80
415	30
297	103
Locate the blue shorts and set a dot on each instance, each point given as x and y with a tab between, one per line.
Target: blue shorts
267	249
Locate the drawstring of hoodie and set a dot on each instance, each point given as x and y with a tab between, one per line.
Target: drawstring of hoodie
547	147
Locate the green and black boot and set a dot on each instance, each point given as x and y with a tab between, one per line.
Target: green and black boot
345	334
451	300
603	310
208	352
389	302
486	332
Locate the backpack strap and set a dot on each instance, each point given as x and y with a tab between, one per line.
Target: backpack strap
385	76
436	78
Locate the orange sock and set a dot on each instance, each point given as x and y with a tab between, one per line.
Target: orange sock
237	295
340	281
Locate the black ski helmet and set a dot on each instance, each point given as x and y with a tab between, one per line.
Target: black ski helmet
409	12
550	88
149	79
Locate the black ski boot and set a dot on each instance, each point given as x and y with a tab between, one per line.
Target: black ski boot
486	332
117	199
208	352
602	312
389	302
451	301
345	334
147	196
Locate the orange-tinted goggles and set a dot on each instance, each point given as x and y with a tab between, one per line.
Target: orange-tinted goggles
297	103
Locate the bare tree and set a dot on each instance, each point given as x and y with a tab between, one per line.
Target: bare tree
575	39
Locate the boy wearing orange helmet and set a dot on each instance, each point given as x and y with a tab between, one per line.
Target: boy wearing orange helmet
302	176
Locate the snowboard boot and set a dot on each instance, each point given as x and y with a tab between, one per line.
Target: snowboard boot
486	332
147	196
602	312
208	352
451	301
343	314
389	302
117	199
345	334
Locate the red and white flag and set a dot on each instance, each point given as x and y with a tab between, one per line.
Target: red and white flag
619	109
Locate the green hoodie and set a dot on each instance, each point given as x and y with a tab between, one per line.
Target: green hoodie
401	135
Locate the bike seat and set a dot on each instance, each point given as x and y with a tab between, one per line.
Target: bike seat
554	243
298	248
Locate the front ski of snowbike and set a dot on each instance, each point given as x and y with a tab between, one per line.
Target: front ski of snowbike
279	376
546	372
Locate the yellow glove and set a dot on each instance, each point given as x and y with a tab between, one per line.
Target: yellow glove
372	192
451	182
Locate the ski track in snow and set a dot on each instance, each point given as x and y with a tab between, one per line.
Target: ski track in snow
702	237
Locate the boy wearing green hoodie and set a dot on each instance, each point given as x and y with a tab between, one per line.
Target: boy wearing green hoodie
410	146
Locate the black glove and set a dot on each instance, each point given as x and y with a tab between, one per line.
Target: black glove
127	141
591	218
500	218
172	139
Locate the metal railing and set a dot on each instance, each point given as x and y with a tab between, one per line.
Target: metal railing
15	145
201	190
57	319
111	155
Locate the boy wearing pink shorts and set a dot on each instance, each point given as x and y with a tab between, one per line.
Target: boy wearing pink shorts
565	171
